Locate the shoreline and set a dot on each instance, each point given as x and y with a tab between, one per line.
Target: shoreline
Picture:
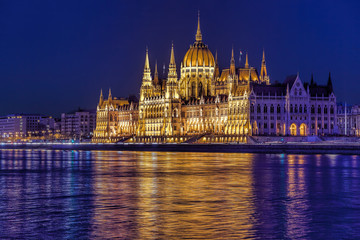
287	148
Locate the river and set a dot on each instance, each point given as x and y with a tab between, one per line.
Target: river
57	194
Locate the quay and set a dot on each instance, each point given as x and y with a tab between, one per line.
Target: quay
270	148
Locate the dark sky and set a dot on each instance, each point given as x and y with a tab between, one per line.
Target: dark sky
56	55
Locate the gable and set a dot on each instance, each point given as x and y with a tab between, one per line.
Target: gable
298	89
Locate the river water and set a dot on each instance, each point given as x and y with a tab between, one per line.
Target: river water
47	194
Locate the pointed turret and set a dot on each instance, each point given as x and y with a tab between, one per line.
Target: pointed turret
110	96
156	75
171	83
101	100
198	36
263	73
147	71
329	83
312	79
217	71
232	63
172	75
246	61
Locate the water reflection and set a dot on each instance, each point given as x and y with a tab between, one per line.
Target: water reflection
154	195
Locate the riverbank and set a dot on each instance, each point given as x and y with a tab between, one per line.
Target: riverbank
289	148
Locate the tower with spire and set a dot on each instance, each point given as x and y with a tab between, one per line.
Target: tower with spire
247	61
198	36
263	73
172	81
101	100
232	63
147	87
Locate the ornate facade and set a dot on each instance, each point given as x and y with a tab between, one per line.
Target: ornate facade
206	104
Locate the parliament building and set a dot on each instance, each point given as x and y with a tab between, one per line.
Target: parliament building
206	104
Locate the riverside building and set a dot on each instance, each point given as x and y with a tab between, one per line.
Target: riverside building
205	104
21	126
348	120
78	124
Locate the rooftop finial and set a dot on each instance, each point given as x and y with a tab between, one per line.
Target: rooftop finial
198	36
147	65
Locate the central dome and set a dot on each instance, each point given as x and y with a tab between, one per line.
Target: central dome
198	54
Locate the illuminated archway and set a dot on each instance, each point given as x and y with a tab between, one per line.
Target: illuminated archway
303	129
293	129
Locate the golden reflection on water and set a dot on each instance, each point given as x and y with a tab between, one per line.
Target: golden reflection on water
155	195
174	195
297	204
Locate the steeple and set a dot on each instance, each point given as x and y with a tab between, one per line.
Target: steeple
109	97
263	73
147	71
171	83
246	61
156	75
232	62
101	100
172	75
198	36
329	83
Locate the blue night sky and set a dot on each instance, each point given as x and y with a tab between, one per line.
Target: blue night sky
55	56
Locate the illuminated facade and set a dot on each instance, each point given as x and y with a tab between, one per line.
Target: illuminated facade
348	120
22	126
204	104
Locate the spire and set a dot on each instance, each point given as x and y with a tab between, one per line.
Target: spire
110	97
147	71
232	62
171	83
101	97
198	36
217	71
147	65
156	75
172	75
329	83
263	72
312	79
172	57
246	61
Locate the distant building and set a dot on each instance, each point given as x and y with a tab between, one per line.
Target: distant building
77	124
348	123
26	125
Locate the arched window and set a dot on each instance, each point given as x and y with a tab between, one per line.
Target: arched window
305	109
193	89
296	108
325	110
200	91
252	108
258	108
319	109
312	109
300	109
278	108
265	108
291	108
272	108
332	109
